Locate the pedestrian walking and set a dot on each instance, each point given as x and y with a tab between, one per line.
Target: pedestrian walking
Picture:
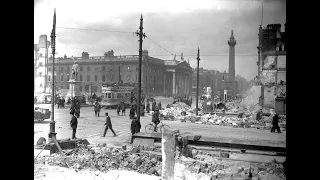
97	108
108	125
135	127
154	105
74	125
275	124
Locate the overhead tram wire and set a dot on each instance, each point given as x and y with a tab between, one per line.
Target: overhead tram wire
83	29
211	55
160	46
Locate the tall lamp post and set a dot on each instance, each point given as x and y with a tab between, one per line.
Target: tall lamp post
52	133
197	93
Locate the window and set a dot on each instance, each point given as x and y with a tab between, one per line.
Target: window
88	78
61	68
61	78
49	69
109	95
81	68
150	79
103	68
103	78
68	69
88	68
86	88
146	78
54	69
49	78
80	88
80	77
96	78
40	64
97	68
68	77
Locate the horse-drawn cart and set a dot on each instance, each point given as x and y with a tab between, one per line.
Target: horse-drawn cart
41	114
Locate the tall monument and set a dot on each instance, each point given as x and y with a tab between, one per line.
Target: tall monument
229	85
232	43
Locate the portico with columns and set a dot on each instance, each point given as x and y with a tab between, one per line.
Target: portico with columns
178	78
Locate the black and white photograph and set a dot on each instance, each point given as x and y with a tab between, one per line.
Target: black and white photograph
150	89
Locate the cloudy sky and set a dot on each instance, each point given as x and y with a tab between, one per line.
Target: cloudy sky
178	26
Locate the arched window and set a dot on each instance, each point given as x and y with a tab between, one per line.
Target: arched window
80	77
49	78
88	78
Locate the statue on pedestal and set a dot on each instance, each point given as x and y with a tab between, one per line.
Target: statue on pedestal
74	72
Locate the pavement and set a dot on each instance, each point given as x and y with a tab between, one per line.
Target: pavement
92	128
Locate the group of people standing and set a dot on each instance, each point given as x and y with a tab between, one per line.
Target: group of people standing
275	121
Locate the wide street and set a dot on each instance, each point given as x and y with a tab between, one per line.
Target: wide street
92	128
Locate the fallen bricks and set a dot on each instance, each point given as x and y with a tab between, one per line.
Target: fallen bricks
65	144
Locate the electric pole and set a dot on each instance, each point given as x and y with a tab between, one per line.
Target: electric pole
140	34
197	93
52	133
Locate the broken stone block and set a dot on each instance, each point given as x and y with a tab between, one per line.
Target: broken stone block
135	150
138	162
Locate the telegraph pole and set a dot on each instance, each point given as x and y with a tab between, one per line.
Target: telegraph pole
52	133
140	34
197	93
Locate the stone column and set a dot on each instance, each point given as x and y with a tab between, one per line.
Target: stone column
168	152
173	83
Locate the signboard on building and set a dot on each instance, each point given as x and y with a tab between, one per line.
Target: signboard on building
269	62
268	76
281	62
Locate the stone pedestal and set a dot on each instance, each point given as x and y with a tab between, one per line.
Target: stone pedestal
168	152
74	89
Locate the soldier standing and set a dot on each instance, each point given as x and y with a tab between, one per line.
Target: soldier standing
135	127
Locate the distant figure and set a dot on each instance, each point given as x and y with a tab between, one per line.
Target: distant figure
156	119
148	107
118	109
132	112
97	108
108	125
135	127
123	108
275	124
159	105
74	125
259	115
154	105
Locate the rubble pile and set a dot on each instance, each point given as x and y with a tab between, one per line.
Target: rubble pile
104	159
175	110
206	163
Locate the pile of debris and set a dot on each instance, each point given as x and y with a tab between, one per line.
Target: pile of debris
175	111
104	159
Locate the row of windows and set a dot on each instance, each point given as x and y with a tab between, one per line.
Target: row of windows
116	95
81	68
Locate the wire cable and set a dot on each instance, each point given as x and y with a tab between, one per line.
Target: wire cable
160	46
96	30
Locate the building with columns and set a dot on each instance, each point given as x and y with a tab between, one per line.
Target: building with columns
158	77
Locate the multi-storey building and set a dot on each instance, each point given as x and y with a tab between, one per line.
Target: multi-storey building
41	54
158	77
271	63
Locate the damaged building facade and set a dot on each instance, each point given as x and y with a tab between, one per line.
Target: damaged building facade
272	65
158	77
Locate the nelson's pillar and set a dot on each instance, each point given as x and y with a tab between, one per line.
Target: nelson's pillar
232	43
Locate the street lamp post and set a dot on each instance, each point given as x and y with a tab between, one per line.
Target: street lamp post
52	133
197	93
